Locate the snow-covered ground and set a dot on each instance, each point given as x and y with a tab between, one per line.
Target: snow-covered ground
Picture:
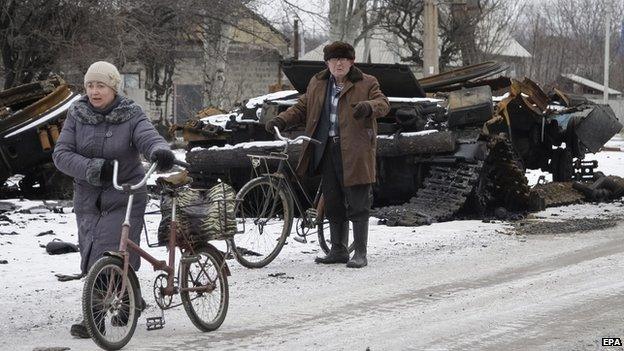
38	309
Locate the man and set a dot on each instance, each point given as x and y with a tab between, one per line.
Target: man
339	109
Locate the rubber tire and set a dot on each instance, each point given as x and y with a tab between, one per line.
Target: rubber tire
132	284
287	204
217	260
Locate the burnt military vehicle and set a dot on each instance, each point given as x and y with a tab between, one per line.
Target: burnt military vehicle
31	118
460	149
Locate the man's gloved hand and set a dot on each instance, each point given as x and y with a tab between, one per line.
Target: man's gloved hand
362	110
164	158
275	122
106	172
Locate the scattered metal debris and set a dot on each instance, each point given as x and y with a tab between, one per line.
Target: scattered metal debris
31	118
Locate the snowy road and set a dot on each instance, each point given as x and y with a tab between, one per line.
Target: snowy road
462	285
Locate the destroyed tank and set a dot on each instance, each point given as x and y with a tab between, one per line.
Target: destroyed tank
31	118
458	151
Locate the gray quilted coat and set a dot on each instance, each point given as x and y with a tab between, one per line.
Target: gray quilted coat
88	138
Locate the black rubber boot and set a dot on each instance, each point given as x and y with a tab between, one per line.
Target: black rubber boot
339	236
360	240
79	330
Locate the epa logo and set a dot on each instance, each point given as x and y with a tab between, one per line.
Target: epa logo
611	342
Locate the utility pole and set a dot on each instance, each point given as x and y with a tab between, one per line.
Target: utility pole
296	40
605	94
430	39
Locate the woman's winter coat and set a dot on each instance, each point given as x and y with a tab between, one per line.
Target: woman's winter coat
90	137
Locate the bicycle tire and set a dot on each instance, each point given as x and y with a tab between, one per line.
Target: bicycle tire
110	321
265	234
323	227
209	268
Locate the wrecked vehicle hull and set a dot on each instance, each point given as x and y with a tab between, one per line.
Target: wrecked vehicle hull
31	119
436	158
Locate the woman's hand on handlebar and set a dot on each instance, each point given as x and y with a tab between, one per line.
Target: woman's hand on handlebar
164	158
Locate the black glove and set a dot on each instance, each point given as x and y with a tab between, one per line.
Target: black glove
164	158
274	122
106	172
362	110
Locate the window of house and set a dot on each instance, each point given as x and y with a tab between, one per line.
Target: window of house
131	81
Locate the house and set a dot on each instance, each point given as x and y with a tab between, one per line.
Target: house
503	48
246	63
583	86
593	91
385	47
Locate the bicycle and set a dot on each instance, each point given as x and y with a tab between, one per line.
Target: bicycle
266	204
111	294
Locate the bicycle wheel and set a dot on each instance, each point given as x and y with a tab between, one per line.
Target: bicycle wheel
110	315
323	229
205	272
267	211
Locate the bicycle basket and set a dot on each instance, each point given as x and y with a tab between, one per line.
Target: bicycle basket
202	215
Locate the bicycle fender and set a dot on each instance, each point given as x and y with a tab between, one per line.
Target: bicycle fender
131	272
113	254
218	255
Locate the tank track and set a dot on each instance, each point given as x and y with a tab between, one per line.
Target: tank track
445	191
502	182
499	181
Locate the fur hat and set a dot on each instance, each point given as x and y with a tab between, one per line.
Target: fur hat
104	72
338	49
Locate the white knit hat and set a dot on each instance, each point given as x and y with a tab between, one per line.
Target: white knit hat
104	72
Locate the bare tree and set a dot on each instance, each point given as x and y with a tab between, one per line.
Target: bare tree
33	34
568	37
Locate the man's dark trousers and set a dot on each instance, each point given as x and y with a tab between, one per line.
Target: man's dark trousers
343	204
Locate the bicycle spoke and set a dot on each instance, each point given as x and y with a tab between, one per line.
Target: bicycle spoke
206	308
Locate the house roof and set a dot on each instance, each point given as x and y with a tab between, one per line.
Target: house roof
589	83
505	45
265	22
383	49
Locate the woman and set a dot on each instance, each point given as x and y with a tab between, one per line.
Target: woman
101	127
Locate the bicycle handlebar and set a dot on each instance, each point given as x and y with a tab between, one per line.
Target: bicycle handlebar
290	141
145	178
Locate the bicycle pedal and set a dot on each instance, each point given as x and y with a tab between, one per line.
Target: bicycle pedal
155	323
301	239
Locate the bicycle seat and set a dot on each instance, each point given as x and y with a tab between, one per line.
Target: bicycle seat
175	181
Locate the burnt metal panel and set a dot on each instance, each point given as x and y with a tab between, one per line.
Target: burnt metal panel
596	125
394	79
471	106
